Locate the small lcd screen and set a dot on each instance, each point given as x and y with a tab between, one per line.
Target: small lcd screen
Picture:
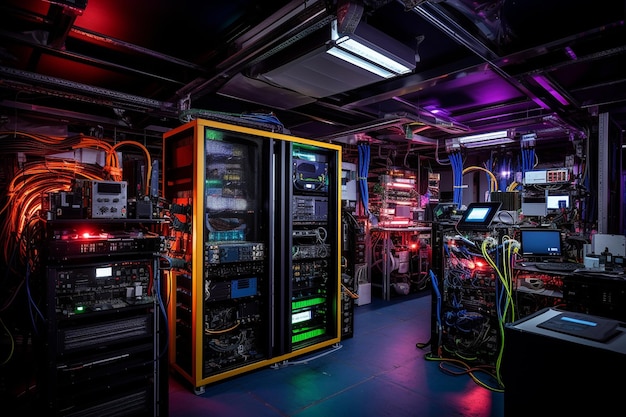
579	321
104	272
556	202
301	316
478	216
540	242
109	187
444	211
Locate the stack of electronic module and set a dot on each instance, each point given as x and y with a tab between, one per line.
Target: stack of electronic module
100	279
472	288
253	244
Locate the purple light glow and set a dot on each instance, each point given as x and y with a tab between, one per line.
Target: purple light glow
542	81
570	52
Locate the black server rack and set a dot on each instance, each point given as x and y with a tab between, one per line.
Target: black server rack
350	233
601	293
254	242
467	307
102	350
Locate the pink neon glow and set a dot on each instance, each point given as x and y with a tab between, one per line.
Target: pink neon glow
542	81
400	185
396	223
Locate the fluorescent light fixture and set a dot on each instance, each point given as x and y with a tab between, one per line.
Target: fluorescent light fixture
490	142
372	50
482	139
355	60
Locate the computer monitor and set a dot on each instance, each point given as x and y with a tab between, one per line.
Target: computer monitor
478	216
557	202
540	242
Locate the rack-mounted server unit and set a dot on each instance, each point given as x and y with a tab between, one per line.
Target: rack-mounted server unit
253	240
464	317
101	348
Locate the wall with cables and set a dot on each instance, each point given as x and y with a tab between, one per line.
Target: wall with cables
72	264
40	172
35	166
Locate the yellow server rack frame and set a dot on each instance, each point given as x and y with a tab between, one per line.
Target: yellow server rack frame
194	131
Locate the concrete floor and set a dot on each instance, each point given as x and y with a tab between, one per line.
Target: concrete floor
379	371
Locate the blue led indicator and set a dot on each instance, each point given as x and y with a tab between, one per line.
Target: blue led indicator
578	321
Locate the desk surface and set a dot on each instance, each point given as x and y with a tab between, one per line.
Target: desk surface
530	267
531	324
402	229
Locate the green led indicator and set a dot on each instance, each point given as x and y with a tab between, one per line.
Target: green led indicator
210	134
307	303
307	335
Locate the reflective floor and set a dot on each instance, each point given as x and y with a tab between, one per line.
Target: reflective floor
380	371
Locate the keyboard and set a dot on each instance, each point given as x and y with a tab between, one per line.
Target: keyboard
559	266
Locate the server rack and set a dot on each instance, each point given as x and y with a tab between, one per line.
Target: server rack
602	293
348	277
254	242
102	347
468	299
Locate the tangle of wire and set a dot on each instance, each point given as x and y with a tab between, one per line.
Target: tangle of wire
363	172
460	262
460	366
456	161
42	172
49	175
505	307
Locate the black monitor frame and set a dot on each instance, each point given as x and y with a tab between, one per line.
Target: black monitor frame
539	242
478	216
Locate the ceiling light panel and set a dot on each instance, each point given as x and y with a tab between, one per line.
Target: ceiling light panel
375	47
343	63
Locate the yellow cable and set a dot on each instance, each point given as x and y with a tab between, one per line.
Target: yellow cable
512	186
506	280
471	371
494	180
148	160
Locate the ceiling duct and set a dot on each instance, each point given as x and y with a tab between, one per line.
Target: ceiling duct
338	66
323	70
349	15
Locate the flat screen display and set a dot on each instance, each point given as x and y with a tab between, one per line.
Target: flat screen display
478	216
540	242
556	202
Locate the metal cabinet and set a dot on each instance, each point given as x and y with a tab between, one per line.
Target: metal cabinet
253	242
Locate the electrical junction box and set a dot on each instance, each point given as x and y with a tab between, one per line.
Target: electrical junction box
535	177
616	244
348	181
365	293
